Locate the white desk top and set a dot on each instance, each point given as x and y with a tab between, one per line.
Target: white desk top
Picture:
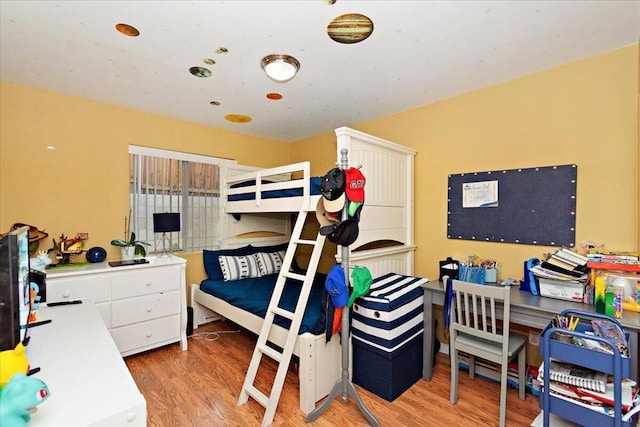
88	381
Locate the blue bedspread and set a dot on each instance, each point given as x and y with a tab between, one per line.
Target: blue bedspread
253	295
314	189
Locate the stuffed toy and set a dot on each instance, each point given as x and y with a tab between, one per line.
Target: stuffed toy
19	398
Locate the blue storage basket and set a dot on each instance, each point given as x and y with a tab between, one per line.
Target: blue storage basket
472	274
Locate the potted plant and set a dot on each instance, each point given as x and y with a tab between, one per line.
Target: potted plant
129	246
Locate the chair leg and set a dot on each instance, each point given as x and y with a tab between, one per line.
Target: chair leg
472	366
453	395
503	393
522	373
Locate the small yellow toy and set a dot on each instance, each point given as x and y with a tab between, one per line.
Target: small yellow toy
13	362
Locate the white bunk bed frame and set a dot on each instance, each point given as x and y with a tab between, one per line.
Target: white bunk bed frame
387	215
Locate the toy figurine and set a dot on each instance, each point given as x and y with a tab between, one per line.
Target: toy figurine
19	398
13	362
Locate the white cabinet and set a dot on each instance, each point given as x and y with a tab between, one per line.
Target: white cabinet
143	306
89	382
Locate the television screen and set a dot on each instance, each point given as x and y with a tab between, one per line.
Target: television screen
15	300
166	222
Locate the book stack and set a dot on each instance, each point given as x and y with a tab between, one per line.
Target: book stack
588	388
567	263
562	275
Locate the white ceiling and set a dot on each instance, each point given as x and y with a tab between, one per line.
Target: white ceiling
419	52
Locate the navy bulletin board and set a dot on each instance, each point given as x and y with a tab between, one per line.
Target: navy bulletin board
536	206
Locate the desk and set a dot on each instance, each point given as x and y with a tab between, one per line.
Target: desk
528	310
89	382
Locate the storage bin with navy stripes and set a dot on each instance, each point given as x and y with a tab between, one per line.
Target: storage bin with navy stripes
386	332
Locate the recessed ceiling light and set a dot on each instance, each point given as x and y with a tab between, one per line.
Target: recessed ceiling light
200	72
274	96
209	61
280	68
350	28
237	118
215	103
128	30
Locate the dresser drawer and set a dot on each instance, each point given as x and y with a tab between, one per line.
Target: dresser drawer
144	281
147	334
147	307
70	288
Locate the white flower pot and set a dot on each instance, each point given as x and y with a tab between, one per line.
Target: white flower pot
127	252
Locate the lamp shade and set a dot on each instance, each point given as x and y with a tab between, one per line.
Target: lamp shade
280	68
166	222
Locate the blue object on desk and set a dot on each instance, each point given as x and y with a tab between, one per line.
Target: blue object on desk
530	283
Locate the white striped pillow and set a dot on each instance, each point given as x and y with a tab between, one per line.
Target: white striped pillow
269	262
238	267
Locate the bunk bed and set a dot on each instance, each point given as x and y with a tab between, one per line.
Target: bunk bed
385	242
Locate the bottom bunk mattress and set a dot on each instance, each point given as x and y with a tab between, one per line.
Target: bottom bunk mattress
253	295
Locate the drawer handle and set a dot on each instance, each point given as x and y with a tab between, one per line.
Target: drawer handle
149	309
66	294
148	334
148	283
131	417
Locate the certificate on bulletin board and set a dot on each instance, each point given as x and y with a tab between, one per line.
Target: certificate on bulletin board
529	205
482	194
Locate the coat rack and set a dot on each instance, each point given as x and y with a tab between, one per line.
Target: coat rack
344	386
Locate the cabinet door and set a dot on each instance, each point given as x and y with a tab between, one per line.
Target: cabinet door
144	281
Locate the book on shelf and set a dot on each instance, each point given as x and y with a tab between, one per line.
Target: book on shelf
570	257
628	393
594	399
575	375
553	265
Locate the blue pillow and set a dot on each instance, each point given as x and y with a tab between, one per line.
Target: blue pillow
212	264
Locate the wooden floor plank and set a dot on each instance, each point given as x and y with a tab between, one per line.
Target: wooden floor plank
200	387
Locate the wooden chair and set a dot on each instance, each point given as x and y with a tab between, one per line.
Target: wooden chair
474	329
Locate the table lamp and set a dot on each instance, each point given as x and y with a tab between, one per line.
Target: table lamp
167	222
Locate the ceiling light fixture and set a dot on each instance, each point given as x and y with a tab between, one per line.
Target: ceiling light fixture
280	68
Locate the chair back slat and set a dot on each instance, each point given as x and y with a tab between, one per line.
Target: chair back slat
475	310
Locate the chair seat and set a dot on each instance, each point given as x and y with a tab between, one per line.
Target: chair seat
516	342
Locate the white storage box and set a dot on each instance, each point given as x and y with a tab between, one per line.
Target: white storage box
569	290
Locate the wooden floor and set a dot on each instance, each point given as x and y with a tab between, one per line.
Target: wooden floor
200	387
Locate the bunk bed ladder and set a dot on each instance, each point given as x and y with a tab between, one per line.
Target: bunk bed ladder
282	356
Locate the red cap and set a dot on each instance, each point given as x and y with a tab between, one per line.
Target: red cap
354	186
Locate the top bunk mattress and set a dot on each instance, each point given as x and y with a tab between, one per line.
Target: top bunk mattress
253	295
314	188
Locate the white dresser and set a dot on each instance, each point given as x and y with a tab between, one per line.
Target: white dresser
143	306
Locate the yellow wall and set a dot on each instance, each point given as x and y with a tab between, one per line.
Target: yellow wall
585	113
82	185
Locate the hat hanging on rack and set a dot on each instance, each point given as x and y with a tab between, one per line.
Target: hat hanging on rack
344	233
332	185
336	286
361	281
325	218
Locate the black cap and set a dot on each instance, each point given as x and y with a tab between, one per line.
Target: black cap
344	233
332	185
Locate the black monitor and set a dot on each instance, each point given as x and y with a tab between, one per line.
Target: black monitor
167	222
15	300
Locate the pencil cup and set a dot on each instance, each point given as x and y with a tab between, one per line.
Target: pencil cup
491	275
559	336
472	274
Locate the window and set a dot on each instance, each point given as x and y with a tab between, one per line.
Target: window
169	181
